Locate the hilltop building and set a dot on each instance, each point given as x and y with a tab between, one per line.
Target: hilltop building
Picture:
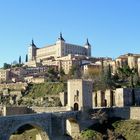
132	60
59	49
61	54
4	75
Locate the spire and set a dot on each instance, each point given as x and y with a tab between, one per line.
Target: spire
61	37
87	43
33	43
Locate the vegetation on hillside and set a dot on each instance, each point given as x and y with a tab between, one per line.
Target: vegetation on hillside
47	88
118	130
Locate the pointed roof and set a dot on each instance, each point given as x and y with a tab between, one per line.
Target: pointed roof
87	43
33	44
61	37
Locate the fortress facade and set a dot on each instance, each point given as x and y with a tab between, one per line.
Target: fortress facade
59	49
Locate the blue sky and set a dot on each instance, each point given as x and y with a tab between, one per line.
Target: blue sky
112	26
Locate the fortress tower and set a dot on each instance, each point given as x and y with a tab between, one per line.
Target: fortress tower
32	51
88	47
79	94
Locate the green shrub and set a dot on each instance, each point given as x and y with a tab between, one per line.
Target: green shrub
90	135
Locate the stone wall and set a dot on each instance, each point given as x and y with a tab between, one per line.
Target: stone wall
63	98
137	96
120	97
14	111
123	97
14	86
100	98
121	112
5	111
135	113
47	109
79	94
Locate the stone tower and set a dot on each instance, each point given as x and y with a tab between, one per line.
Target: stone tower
79	94
32	51
131	61
88	47
60	44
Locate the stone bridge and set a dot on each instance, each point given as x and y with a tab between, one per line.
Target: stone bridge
51	126
58	125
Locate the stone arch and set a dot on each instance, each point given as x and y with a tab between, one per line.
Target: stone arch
43	135
76	107
72	127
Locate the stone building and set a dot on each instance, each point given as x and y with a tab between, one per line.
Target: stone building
59	49
4	75
61	54
132	60
79	94
119	97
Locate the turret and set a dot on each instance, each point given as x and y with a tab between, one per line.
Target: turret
88	47
32	51
60	39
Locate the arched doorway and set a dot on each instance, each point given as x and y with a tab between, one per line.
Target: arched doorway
76	107
72	127
28	132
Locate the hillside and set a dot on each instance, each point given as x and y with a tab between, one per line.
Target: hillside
47	88
118	130
44	94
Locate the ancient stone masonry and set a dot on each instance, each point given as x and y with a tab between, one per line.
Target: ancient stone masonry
120	97
51	126
79	94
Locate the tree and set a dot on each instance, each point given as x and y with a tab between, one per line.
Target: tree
52	74
105	80
127	74
6	66
75	72
19	59
26	59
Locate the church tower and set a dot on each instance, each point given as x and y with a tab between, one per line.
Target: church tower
32	51
88	47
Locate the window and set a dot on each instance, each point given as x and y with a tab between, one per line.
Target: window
77	92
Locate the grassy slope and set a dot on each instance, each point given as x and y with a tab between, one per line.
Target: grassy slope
40	90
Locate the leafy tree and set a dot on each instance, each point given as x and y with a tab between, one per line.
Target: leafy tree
6	66
90	135
52	74
105	79
127	74
75	72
